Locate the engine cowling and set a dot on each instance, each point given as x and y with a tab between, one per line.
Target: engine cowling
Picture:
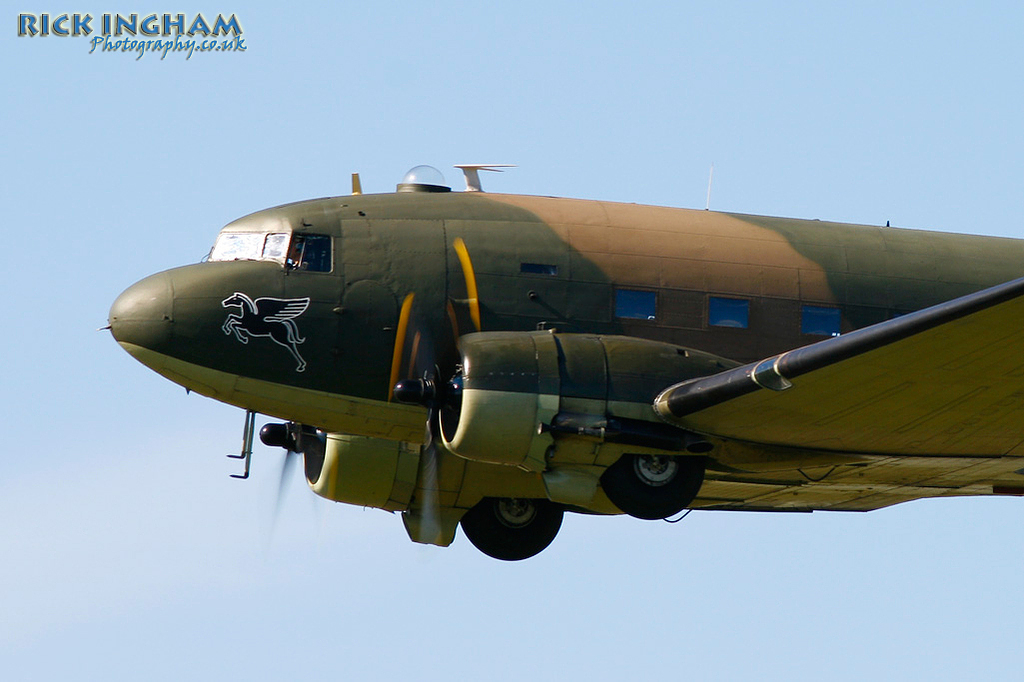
369	472
518	387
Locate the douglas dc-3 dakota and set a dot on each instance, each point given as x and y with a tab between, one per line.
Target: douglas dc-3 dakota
494	361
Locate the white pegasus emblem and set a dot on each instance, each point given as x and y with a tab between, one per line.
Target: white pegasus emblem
271	317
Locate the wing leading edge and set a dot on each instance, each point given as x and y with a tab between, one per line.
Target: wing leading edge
944	381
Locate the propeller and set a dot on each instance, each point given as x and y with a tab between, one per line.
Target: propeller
436	397
472	298
415	335
296	439
420	388
426	380
430	527
287	465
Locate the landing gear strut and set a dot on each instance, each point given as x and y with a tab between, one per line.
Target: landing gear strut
247	434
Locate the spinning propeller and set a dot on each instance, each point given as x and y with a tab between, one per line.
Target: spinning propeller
296	439
415	354
424	357
426	381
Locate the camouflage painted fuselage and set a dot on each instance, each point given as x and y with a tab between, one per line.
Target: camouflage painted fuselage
540	263
387	246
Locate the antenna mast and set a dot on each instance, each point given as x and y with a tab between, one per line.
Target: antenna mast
711	176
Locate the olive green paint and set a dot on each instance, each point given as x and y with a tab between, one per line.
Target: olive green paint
388	247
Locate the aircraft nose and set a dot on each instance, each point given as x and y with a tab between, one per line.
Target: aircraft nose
141	315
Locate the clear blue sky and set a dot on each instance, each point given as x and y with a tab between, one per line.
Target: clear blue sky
126	551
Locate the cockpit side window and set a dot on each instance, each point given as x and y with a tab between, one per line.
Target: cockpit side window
310	252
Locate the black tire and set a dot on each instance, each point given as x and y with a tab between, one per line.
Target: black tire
512	529
653	486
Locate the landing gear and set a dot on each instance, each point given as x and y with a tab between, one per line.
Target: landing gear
512	529
653	486
246	454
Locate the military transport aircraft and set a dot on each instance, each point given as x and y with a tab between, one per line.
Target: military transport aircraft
497	360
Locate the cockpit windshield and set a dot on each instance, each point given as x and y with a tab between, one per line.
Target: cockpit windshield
310	252
250	246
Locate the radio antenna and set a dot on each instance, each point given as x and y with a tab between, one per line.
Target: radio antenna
711	176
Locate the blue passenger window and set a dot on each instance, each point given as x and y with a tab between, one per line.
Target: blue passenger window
728	312
819	320
637	305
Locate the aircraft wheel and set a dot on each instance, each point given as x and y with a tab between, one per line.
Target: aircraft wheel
653	486
512	529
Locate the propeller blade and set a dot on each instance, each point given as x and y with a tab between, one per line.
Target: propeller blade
287	466
396	356
470	277
430	505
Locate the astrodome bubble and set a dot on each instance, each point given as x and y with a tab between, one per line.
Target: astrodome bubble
423	178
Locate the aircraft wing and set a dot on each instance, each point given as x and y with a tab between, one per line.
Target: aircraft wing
944	381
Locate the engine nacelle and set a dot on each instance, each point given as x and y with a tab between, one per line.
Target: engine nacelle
518	387
369	472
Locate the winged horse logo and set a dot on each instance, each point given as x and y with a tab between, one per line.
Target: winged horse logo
273	317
